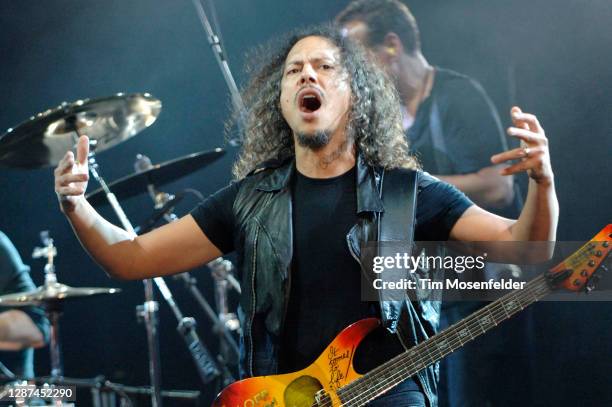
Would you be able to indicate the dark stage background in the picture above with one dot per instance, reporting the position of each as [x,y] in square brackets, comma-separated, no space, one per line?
[551,57]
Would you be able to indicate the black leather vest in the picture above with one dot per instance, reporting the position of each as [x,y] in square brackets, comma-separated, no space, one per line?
[264,242]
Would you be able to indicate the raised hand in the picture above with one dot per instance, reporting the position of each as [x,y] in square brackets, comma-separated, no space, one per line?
[533,154]
[71,176]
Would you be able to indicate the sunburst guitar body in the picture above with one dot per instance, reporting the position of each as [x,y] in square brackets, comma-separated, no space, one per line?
[332,370]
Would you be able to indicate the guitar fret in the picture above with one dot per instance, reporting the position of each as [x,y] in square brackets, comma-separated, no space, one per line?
[487,320]
[464,333]
[512,307]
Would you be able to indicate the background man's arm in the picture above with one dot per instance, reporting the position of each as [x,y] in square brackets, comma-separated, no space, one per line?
[473,132]
[18,331]
[486,187]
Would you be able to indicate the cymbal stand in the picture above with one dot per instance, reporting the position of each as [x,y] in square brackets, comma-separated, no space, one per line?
[191,284]
[148,310]
[222,274]
[53,309]
[205,364]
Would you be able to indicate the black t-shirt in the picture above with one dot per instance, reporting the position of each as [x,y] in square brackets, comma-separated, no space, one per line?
[325,279]
[325,284]
[469,130]
[15,278]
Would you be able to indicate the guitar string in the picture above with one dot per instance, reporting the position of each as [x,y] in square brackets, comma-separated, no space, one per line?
[429,349]
[534,288]
[356,385]
[421,362]
[399,361]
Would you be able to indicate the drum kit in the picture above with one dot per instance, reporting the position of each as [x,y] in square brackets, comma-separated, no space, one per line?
[42,141]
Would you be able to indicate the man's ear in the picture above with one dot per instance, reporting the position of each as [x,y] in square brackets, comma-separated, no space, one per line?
[392,46]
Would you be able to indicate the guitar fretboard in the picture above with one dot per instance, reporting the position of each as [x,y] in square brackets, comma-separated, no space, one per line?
[407,364]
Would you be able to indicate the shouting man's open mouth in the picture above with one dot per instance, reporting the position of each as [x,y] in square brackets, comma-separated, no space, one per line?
[309,101]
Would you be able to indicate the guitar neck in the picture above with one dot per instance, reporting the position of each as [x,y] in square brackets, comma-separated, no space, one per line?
[407,364]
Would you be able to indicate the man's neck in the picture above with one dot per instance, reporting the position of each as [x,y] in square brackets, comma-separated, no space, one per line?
[334,159]
[415,82]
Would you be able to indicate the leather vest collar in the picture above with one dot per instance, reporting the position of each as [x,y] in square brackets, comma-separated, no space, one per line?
[368,178]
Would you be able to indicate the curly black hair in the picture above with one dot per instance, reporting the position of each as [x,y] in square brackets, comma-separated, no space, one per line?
[375,117]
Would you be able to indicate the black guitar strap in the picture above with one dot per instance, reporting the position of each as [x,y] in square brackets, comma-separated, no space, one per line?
[396,226]
[399,190]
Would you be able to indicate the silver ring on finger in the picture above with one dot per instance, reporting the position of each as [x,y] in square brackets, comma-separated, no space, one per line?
[526,152]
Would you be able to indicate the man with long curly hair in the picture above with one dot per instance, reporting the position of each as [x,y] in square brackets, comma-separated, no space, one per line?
[323,128]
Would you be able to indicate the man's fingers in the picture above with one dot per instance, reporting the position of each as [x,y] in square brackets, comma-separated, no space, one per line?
[519,167]
[508,155]
[65,164]
[83,150]
[517,153]
[66,179]
[525,135]
[516,168]
[526,121]
[71,190]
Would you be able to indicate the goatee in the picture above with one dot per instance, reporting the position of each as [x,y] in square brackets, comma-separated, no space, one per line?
[314,141]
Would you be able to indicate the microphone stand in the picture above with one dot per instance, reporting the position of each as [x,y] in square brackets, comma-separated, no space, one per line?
[215,44]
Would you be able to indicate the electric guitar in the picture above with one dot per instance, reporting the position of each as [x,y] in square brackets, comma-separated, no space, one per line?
[331,380]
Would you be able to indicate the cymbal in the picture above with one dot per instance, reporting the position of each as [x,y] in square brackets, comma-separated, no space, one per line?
[43,139]
[158,174]
[51,293]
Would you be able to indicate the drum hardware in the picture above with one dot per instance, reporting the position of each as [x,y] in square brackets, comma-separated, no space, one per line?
[105,393]
[147,178]
[164,203]
[224,322]
[5,373]
[51,296]
[220,327]
[221,270]
[207,368]
[146,391]
[43,139]
[164,211]
[155,176]
[149,307]
[205,364]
